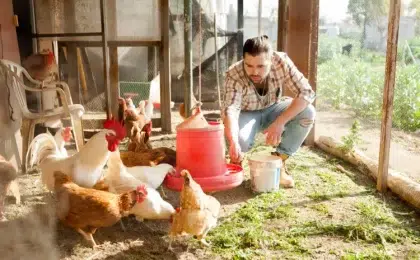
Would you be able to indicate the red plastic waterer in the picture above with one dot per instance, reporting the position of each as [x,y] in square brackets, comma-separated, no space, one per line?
[201,151]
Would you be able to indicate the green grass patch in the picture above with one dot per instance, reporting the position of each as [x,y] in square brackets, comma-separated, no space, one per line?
[287,223]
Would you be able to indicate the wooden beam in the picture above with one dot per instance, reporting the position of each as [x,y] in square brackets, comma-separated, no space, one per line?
[165,70]
[299,36]
[240,29]
[114,75]
[90,76]
[73,73]
[282,26]
[188,76]
[119,42]
[313,60]
[105,56]
[388,98]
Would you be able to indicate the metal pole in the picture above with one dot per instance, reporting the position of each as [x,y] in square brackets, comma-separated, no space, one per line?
[216,51]
[240,28]
[104,30]
[188,57]
[259,16]
[33,26]
[388,99]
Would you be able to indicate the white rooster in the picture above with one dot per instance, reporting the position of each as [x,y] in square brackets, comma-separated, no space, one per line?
[120,180]
[84,167]
[61,137]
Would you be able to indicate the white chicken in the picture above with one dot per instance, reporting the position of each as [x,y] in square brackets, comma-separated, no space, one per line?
[131,106]
[61,137]
[119,180]
[148,110]
[84,167]
[153,176]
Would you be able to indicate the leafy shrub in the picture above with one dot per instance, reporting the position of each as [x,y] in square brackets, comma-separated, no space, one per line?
[346,82]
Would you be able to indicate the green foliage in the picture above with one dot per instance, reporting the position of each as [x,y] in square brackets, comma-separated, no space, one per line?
[357,84]
[353,138]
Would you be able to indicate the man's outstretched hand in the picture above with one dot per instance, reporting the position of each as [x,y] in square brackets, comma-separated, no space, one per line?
[235,153]
[273,133]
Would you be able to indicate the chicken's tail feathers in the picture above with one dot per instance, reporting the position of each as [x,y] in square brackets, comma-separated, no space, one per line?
[41,146]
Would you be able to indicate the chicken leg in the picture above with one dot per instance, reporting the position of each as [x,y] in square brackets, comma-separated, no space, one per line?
[88,236]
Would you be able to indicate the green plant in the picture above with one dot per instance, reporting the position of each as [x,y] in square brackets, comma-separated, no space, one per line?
[352,139]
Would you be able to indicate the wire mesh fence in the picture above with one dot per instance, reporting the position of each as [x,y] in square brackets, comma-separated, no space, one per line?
[351,73]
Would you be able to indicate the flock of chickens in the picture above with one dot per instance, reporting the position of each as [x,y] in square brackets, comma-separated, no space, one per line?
[97,186]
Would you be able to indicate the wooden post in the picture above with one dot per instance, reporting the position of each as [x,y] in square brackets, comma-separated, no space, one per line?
[388,98]
[165,70]
[302,42]
[114,76]
[298,36]
[105,56]
[188,75]
[282,26]
[240,28]
[313,60]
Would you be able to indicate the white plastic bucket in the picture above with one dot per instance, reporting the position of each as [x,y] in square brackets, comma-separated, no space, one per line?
[265,172]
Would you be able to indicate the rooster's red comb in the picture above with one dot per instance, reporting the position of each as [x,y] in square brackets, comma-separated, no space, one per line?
[112,124]
[147,128]
[67,130]
[142,189]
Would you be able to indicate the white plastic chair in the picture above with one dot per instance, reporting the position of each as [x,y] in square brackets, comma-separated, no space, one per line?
[30,119]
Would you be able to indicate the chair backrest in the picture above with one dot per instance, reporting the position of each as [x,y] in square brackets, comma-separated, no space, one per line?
[14,80]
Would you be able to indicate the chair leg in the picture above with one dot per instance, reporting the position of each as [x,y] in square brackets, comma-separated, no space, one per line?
[78,132]
[25,132]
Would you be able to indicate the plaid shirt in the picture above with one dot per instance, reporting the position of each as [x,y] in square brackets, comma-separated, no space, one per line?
[241,94]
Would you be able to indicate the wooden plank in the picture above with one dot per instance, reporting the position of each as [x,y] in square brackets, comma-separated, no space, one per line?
[113,57]
[299,36]
[313,60]
[240,29]
[282,26]
[82,76]
[114,43]
[105,56]
[114,79]
[388,98]
[89,73]
[73,73]
[165,70]
[188,75]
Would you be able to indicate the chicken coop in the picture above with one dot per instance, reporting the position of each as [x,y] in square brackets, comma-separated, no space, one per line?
[357,184]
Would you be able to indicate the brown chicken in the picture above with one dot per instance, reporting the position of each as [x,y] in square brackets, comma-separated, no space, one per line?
[86,210]
[141,153]
[196,120]
[41,66]
[130,118]
[182,111]
[197,214]
[8,175]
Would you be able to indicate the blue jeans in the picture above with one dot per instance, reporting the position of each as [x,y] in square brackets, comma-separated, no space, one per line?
[295,131]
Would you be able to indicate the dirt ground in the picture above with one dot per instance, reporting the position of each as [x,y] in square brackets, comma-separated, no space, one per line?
[405,147]
[32,231]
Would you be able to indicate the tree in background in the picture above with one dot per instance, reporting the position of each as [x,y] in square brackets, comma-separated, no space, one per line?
[415,8]
[368,12]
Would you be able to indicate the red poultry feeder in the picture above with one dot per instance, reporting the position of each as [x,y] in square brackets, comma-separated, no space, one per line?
[201,151]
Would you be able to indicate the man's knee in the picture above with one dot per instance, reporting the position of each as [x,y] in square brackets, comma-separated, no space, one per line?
[307,116]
